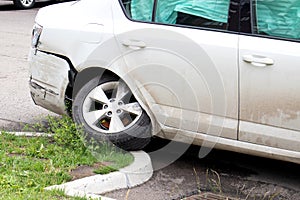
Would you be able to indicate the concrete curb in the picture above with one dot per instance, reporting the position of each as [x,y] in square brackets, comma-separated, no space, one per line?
[28,134]
[135,174]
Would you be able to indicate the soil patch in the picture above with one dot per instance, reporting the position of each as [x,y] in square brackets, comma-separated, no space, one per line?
[86,170]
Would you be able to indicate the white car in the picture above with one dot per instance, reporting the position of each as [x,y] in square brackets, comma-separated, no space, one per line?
[222,74]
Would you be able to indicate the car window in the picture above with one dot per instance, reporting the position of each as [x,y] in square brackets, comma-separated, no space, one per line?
[199,13]
[279,18]
[140,10]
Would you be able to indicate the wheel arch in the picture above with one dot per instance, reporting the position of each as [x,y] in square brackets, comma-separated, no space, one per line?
[79,79]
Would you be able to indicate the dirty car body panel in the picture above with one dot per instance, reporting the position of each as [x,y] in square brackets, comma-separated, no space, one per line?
[220,78]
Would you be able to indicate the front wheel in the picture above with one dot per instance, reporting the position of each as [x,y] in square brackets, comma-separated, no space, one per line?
[24,4]
[108,110]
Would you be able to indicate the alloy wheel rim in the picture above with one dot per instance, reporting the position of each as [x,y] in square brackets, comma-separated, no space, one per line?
[111,108]
[26,3]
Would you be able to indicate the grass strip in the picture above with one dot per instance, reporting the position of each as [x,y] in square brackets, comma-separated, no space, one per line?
[29,164]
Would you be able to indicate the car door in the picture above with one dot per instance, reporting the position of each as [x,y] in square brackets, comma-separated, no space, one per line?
[269,62]
[185,65]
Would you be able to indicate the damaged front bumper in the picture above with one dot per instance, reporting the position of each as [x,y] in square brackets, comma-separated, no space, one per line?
[48,80]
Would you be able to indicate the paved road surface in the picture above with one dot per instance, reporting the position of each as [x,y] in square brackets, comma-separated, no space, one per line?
[230,174]
[15,36]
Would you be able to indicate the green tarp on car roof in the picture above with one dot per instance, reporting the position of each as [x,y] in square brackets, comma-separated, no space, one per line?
[274,17]
[279,18]
[216,10]
[142,10]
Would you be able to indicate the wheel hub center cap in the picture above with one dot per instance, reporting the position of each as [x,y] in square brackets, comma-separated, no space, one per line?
[114,107]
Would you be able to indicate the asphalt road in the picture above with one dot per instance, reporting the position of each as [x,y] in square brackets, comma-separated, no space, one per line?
[15,34]
[221,172]
[231,175]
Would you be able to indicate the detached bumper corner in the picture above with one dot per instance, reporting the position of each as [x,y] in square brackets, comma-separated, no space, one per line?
[48,81]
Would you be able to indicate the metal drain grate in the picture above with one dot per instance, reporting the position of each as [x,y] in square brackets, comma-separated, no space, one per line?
[209,196]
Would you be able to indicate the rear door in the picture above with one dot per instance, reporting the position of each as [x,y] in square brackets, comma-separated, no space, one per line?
[269,59]
[184,55]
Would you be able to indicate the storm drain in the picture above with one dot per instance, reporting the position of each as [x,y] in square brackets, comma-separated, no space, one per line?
[209,196]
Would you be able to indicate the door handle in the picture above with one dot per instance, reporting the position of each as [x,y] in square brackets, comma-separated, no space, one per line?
[257,60]
[134,43]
